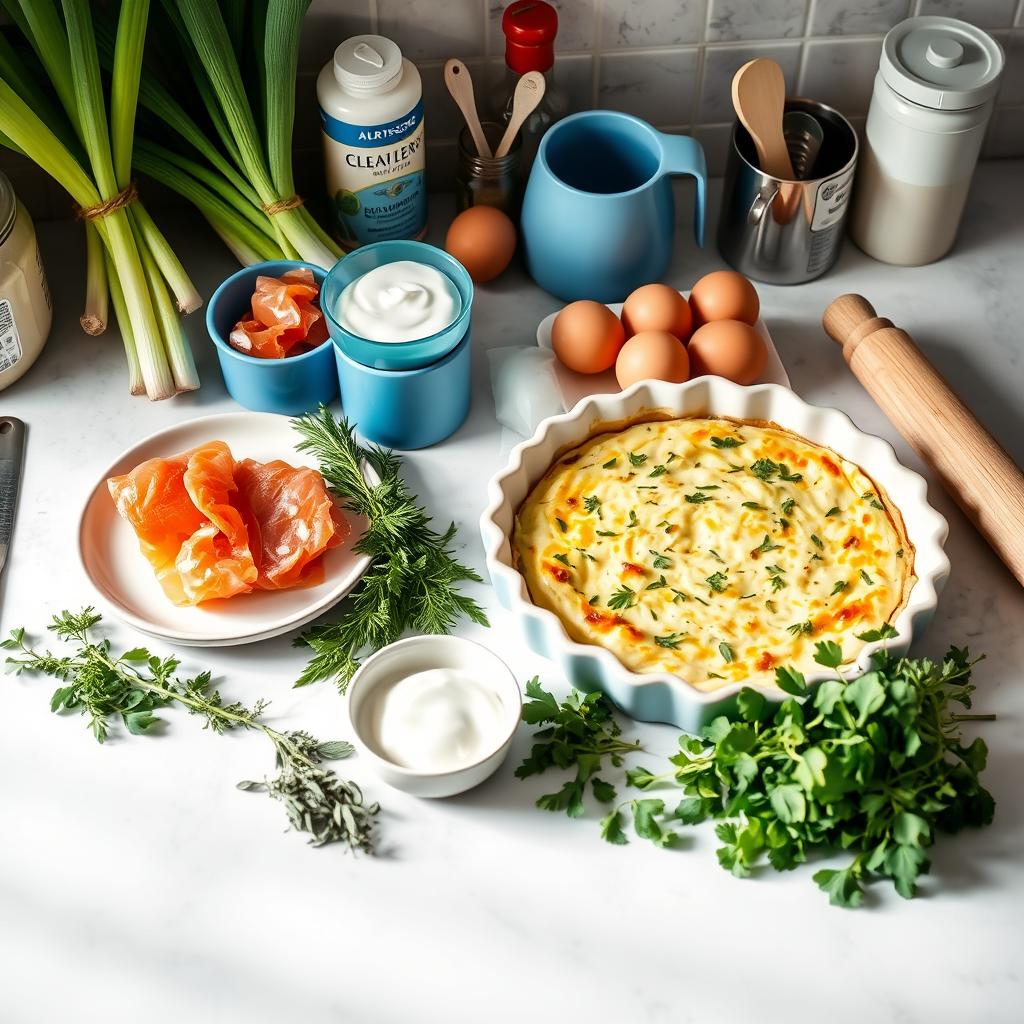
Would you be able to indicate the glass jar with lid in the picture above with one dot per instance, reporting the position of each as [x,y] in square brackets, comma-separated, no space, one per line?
[25,309]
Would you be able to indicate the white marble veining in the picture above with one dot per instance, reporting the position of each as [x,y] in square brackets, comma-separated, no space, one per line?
[642,23]
[136,883]
[720,64]
[760,19]
[841,18]
[984,13]
[660,87]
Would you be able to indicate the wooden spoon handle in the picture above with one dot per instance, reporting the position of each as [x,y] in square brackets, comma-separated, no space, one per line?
[460,85]
[973,467]
[529,92]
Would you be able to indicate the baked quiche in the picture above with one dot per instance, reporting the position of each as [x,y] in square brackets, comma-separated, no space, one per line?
[712,549]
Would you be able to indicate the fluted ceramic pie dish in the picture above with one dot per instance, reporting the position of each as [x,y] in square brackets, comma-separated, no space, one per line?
[668,697]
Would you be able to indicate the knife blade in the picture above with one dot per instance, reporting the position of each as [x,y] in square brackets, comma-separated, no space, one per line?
[12,450]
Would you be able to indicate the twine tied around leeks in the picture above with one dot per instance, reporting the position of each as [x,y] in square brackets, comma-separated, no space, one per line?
[282,205]
[105,207]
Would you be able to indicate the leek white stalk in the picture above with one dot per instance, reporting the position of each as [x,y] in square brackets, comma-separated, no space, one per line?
[94,316]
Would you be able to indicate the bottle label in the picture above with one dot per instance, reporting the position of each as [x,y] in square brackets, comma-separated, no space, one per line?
[375,177]
[10,341]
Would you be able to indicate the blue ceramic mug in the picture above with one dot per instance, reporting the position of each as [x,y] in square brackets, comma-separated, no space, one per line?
[598,216]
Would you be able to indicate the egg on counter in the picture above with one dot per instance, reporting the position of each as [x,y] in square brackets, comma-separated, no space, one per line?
[587,336]
[652,355]
[724,295]
[728,348]
[656,307]
[483,240]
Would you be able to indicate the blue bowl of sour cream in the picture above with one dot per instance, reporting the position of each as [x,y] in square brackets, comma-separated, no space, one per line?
[398,305]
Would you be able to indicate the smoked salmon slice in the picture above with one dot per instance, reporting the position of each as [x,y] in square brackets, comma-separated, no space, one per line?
[212,527]
[292,520]
[181,511]
[284,319]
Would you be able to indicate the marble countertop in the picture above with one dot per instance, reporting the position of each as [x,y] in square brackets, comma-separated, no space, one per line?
[137,883]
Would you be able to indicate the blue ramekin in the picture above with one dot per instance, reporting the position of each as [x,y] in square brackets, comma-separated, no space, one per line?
[407,409]
[290,386]
[403,355]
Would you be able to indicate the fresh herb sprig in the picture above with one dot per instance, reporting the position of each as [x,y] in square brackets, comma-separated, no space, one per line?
[132,687]
[580,732]
[413,579]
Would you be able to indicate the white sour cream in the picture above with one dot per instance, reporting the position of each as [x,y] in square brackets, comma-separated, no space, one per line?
[439,720]
[402,301]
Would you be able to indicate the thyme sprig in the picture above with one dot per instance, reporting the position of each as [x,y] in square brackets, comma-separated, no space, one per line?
[413,578]
[132,687]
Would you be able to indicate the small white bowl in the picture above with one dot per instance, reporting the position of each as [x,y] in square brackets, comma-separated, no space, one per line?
[418,654]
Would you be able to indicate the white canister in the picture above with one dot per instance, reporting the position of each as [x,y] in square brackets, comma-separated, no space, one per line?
[25,309]
[934,91]
[371,110]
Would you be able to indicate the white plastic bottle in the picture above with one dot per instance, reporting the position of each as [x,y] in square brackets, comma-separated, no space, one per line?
[371,109]
[933,95]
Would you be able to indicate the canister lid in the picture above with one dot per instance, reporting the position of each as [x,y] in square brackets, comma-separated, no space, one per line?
[367,63]
[8,207]
[941,63]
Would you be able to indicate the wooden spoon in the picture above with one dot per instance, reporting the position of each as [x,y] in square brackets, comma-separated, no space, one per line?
[976,471]
[529,92]
[759,98]
[460,85]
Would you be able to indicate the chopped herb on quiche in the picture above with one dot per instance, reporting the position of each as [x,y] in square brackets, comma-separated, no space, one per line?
[787,506]
[670,641]
[766,545]
[621,599]
[659,470]
[660,561]
[659,584]
[718,582]
[755,506]
[564,559]
[697,498]
[726,652]
[801,628]
[593,504]
[833,511]
[561,524]
[866,578]
[637,458]
[726,442]
[817,542]
[840,586]
[610,464]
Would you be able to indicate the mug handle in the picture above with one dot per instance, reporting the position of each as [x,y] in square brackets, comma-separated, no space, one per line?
[685,155]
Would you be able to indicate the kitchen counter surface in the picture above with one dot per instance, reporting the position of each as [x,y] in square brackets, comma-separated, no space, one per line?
[136,882]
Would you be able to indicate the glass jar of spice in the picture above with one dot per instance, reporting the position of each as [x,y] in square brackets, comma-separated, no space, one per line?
[489,181]
[25,309]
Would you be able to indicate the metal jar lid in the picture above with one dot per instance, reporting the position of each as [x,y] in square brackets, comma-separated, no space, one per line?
[8,208]
[367,63]
[941,63]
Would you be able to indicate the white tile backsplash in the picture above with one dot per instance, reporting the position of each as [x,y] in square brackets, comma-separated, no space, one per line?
[720,64]
[983,13]
[841,73]
[868,17]
[433,29]
[729,20]
[660,87]
[668,61]
[643,23]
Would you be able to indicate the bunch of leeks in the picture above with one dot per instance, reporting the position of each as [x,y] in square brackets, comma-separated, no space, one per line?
[54,109]
[237,170]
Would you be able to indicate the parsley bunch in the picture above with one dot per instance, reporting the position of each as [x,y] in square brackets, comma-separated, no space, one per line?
[580,732]
[413,579]
[876,767]
[132,687]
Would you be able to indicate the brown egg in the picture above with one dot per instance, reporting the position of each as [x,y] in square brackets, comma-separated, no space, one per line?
[724,295]
[656,307]
[483,240]
[652,355]
[728,348]
[587,336]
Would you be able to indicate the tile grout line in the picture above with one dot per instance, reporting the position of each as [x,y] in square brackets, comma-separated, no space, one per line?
[595,69]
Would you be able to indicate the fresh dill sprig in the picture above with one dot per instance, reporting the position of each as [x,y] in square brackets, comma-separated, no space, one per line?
[413,578]
[133,686]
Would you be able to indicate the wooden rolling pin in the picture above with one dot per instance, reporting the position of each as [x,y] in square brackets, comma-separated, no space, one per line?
[974,468]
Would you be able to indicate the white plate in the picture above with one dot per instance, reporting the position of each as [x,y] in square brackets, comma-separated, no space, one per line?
[109,550]
[575,386]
